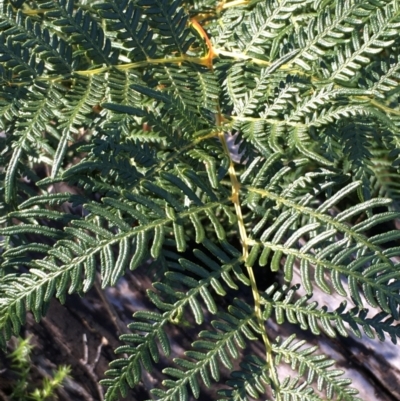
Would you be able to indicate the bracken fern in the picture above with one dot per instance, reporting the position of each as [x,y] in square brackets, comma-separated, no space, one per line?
[134,102]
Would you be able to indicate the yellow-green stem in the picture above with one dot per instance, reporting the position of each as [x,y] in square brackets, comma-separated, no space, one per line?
[245,250]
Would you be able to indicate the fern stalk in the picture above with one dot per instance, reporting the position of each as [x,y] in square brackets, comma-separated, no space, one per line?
[245,253]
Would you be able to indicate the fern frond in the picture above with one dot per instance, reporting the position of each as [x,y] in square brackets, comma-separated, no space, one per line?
[381,84]
[250,381]
[284,305]
[375,38]
[56,52]
[173,302]
[84,94]
[264,24]
[328,29]
[85,31]
[211,348]
[38,105]
[61,271]
[125,21]
[169,20]
[264,133]
[371,267]
[292,391]
[315,366]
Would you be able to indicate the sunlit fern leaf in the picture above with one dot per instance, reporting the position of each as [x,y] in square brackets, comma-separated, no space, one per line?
[376,36]
[83,96]
[170,22]
[84,30]
[284,304]
[292,390]
[355,256]
[263,25]
[132,32]
[38,104]
[315,367]
[69,260]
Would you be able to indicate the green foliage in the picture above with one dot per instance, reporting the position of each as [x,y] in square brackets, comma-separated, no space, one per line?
[133,103]
[22,388]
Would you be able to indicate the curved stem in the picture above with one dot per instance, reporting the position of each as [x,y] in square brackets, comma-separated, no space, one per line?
[242,229]
[245,249]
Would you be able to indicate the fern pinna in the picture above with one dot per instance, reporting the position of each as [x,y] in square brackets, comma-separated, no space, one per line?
[134,102]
